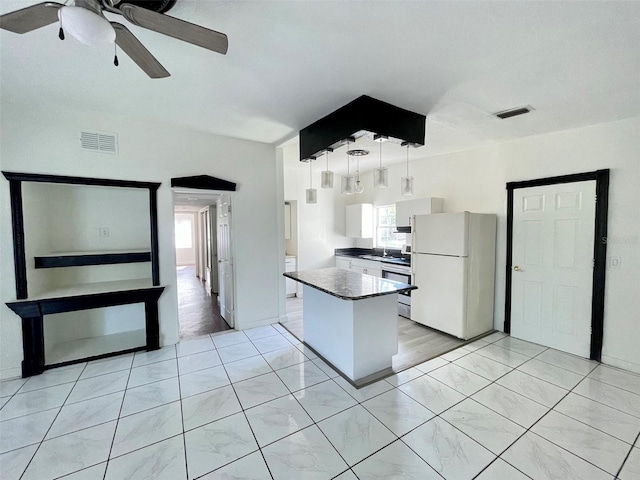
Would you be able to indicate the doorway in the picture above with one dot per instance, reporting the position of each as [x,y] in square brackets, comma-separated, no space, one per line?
[556,259]
[197,272]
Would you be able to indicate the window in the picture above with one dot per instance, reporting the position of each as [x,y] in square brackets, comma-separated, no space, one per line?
[385,217]
[184,229]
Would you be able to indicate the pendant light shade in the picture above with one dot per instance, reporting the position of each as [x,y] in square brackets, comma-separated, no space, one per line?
[312,196]
[312,193]
[381,177]
[380,174]
[348,181]
[348,184]
[406,186]
[406,183]
[326,180]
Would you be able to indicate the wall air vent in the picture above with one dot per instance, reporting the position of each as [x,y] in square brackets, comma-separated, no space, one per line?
[101,142]
[513,112]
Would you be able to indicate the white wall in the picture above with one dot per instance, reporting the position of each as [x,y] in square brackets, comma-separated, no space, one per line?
[321,226]
[47,141]
[475,180]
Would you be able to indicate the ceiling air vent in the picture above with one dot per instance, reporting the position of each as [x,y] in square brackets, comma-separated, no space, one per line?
[101,142]
[513,112]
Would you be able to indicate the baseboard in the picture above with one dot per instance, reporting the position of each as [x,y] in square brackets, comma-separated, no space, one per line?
[624,364]
[257,323]
[166,341]
[10,373]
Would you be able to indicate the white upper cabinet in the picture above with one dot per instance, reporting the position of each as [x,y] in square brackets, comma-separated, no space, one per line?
[359,220]
[406,209]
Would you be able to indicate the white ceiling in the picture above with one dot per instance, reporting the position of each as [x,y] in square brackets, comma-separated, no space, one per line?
[189,199]
[290,63]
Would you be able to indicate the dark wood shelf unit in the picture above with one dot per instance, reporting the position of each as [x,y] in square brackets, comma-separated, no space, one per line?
[32,312]
[84,259]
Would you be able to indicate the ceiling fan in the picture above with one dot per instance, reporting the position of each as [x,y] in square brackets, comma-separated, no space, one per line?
[85,21]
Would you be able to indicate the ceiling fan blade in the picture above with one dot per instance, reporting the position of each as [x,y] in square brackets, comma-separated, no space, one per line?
[185,31]
[137,52]
[30,18]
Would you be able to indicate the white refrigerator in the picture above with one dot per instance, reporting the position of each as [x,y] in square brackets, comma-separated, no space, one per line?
[453,265]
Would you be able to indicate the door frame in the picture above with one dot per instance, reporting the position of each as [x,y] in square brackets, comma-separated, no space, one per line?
[601,178]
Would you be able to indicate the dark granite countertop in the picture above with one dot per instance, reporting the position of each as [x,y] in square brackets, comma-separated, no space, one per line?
[374,254]
[348,285]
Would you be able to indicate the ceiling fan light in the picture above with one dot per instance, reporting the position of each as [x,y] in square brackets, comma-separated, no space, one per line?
[86,26]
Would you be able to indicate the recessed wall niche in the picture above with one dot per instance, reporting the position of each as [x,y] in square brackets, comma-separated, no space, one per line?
[63,220]
[86,262]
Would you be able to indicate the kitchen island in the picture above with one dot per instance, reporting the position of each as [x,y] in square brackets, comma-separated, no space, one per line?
[351,319]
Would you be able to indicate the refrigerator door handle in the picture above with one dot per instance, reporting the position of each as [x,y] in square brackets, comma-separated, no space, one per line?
[413,243]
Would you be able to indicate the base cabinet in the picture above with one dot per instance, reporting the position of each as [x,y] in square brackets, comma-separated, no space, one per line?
[367,267]
[291,285]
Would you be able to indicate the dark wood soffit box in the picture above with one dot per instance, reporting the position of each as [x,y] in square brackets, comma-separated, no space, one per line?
[203,182]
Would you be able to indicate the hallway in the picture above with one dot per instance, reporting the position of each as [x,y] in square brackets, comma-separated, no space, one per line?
[198,310]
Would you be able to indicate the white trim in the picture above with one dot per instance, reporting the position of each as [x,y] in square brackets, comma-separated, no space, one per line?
[616,362]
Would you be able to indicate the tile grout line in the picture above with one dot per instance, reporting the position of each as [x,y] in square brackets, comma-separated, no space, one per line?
[520,436]
[357,402]
[556,411]
[626,458]
[250,428]
[48,429]
[183,434]
[553,443]
[115,430]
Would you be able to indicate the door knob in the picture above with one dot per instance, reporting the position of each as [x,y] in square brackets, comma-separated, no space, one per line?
[517,268]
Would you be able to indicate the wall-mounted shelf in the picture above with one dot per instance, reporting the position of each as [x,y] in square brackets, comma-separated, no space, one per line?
[79,259]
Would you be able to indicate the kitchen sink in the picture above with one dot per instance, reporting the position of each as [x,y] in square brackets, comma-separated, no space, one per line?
[373,257]
[388,259]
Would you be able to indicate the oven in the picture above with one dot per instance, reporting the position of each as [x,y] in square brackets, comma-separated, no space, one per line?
[400,273]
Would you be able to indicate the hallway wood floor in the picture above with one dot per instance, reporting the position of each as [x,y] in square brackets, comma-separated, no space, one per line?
[198,310]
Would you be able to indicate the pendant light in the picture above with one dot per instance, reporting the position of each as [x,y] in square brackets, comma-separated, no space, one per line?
[326,181]
[312,193]
[359,188]
[380,174]
[406,183]
[348,180]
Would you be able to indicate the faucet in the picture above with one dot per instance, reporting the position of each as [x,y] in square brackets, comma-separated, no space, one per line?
[384,251]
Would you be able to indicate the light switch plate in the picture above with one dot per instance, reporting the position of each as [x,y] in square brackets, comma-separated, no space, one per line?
[615,262]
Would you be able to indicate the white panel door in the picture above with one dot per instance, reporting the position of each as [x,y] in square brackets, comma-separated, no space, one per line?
[225,261]
[553,235]
[441,234]
[440,300]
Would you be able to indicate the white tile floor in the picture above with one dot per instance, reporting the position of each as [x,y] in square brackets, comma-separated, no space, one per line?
[258,405]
